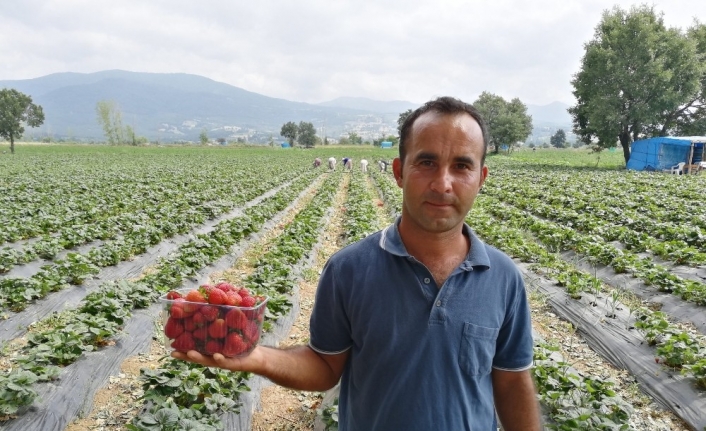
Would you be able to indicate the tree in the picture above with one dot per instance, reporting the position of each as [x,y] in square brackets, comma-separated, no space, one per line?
[637,79]
[507,122]
[203,137]
[354,139]
[400,121]
[16,111]
[110,119]
[558,139]
[289,131]
[307,134]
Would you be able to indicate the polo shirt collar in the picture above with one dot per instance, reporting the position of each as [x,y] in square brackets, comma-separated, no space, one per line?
[391,242]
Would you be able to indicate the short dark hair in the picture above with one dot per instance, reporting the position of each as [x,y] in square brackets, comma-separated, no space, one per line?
[442,105]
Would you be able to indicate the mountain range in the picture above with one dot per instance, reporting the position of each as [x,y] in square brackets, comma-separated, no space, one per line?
[170,107]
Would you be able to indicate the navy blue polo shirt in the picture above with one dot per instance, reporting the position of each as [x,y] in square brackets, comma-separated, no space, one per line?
[420,356]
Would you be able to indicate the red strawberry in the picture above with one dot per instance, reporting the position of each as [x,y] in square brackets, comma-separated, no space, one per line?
[232,298]
[225,286]
[172,294]
[216,297]
[195,296]
[210,312]
[184,342]
[218,329]
[173,328]
[251,331]
[177,310]
[248,301]
[213,346]
[243,292]
[199,319]
[200,333]
[189,324]
[236,319]
[234,345]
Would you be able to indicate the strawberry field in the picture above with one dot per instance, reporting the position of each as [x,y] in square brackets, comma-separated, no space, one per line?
[90,237]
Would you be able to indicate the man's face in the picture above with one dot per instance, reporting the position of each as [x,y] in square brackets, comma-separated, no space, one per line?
[442,172]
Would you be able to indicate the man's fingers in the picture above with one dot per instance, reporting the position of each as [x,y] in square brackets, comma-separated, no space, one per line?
[217,360]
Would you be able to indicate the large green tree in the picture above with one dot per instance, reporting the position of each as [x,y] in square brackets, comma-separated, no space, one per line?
[558,139]
[638,78]
[508,122]
[307,134]
[289,130]
[16,111]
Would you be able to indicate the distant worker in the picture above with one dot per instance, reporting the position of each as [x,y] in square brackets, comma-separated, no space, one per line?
[332,163]
[364,165]
[344,162]
[317,162]
[349,163]
[383,166]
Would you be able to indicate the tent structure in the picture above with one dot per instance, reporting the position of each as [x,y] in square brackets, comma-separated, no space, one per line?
[664,152]
[385,144]
[285,145]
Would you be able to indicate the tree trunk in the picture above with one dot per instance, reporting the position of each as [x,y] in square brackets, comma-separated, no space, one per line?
[12,144]
[625,143]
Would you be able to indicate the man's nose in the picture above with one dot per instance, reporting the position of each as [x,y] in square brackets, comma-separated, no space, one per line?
[442,181]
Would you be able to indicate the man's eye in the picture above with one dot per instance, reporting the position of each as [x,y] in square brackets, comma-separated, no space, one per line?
[462,166]
[426,163]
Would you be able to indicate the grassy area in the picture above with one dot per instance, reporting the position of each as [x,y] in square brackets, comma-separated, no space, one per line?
[581,157]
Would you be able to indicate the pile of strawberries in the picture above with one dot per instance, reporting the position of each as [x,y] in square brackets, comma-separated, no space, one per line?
[220,318]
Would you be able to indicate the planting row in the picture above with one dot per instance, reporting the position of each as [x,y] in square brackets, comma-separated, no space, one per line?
[17,292]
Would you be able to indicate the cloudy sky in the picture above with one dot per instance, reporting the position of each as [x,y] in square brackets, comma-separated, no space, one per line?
[317,50]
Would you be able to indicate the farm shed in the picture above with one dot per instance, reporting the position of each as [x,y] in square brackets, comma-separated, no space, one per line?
[385,144]
[664,152]
[285,145]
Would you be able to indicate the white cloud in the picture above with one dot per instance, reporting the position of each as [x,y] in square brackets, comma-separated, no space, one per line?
[316,50]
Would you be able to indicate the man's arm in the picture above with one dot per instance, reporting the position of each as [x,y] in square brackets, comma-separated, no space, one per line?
[299,367]
[516,400]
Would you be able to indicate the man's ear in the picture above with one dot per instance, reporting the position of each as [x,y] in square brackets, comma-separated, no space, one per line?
[483,176]
[397,170]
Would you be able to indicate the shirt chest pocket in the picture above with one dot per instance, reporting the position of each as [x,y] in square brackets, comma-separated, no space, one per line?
[477,349]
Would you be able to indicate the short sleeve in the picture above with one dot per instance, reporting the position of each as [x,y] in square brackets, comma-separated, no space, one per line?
[514,348]
[329,326]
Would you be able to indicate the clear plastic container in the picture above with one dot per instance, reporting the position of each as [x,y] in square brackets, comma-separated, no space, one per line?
[209,328]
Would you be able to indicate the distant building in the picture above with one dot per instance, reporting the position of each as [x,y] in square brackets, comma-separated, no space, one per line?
[385,144]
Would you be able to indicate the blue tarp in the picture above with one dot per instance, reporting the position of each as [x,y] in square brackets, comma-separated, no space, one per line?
[385,144]
[660,153]
[286,145]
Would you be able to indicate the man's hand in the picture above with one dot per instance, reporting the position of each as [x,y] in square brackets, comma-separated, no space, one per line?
[248,363]
[297,367]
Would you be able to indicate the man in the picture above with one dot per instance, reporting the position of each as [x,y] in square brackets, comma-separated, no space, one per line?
[426,327]
[317,162]
[332,163]
[364,165]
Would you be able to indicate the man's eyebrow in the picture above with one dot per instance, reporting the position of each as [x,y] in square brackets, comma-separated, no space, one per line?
[465,159]
[426,156]
[432,156]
